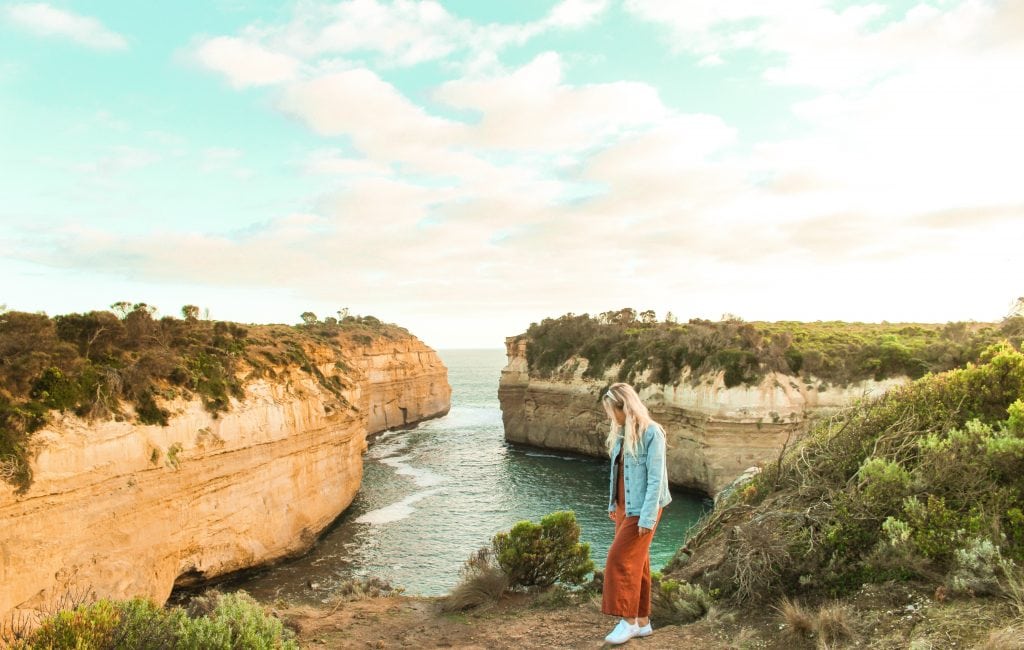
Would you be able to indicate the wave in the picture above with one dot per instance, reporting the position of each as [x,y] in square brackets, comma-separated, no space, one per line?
[421,477]
[396,511]
[538,454]
[465,417]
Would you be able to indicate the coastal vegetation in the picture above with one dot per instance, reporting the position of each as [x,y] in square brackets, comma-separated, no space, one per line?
[211,622]
[128,364]
[924,485]
[824,352]
[529,556]
[896,521]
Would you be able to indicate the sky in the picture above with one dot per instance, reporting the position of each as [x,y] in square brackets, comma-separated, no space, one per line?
[465,168]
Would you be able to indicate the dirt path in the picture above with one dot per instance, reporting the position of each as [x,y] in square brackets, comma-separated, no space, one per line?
[879,617]
[403,622]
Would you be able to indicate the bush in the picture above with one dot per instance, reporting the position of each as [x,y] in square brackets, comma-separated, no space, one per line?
[143,625]
[360,588]
[675,602]
[534,555]
[236,621]
[227,622]
[87,627]
[976,568]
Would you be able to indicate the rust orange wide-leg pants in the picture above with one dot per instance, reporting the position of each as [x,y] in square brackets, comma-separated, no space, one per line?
[627,573]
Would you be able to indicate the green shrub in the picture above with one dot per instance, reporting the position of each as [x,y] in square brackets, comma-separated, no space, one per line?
[86,627]
[172,455]
[541,555]
[675,602]
[1015,422]
[148,411]
[229,622]
[236,621]
[17,423]
[976,569]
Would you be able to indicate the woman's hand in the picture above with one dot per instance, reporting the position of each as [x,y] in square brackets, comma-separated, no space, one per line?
[611,515]
[643,531]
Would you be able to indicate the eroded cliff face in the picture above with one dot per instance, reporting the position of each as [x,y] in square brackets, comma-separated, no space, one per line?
[713,432]
[129,510]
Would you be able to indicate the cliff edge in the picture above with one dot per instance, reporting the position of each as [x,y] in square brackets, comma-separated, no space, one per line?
[125,508]
[714,431]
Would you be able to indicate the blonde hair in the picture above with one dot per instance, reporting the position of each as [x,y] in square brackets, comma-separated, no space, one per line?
[623,397]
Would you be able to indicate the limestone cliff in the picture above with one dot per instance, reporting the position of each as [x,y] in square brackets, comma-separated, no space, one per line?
[127,509]
[714,432]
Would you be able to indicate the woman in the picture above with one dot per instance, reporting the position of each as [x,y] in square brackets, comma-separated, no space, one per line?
[638,491]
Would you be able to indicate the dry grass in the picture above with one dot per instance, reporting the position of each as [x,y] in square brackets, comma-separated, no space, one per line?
[757,549]
[1007,638]
[717,615]
[8,469]
[744,640]
[483,583]
[833,625]
[360,588]
[676,602]
[955,623]
[799,622]
[477,590]
[1013,585]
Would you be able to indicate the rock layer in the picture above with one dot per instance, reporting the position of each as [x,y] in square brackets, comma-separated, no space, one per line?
[125,509]
[714,432]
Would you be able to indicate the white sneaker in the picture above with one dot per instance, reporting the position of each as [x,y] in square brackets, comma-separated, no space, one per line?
[645,630]
[623,632]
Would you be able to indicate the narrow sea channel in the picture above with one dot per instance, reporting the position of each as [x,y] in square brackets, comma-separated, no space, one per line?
[434,494]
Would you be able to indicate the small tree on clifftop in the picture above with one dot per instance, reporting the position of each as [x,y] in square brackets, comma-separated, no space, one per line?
[533,555]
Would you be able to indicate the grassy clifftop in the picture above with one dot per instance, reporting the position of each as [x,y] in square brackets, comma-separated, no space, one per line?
[99,363]
[833,352]
[925,483]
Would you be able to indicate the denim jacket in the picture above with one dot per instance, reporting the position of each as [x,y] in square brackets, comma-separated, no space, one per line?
[645,477]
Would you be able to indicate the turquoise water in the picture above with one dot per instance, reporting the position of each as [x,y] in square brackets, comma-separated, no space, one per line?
[434,494]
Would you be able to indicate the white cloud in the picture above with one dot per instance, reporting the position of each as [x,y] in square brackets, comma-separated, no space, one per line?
[245,63]
[46,20]
[403,32]
[384,126]
[576,13]
[532,108]
[333,162]
[377,34]
[357,102]
[822,45]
